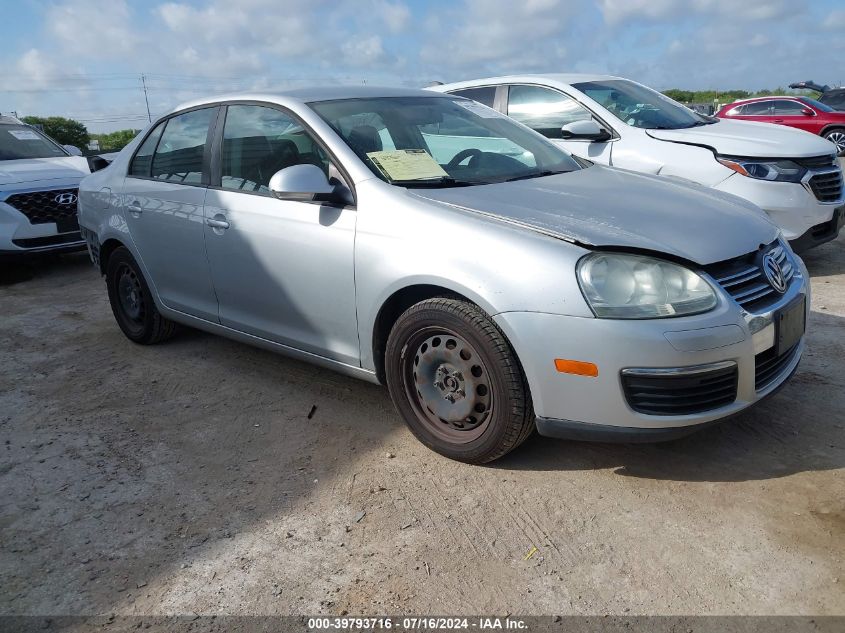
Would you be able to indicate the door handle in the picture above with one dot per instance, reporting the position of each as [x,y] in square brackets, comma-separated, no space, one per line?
[217,224]
[135,208]
[778,120]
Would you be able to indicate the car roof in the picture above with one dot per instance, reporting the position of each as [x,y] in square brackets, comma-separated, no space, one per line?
[538,78]
[310,95]
[770,97]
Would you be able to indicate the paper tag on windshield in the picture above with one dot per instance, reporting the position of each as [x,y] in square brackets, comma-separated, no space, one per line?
[407,164]
[25,135]
[478,108]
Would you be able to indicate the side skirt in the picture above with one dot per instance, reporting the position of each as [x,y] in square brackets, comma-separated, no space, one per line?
[257,341]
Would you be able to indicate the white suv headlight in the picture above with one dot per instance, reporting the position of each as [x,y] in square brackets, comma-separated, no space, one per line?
[622,286]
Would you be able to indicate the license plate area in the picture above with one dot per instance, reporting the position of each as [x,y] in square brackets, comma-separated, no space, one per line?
[67,225]
[790,324]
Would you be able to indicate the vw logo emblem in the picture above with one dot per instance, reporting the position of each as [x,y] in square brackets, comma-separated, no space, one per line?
[773,273]
[65,198]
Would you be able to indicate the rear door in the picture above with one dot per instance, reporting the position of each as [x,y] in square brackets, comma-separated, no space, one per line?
[762,111]
[163,196]
[547,110]
[283,270]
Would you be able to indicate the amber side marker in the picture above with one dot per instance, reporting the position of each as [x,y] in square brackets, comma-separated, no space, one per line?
[577,367]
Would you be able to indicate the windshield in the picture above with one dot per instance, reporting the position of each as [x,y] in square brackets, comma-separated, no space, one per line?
[22,141]
[441,141]
[641,107]
[818,105]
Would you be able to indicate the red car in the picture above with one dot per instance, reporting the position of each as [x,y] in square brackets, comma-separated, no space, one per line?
[801,112]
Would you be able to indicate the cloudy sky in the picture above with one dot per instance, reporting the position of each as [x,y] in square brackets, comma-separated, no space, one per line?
[84,58]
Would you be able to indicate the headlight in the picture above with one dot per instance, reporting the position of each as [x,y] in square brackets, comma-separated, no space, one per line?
[774,170]
[621,286]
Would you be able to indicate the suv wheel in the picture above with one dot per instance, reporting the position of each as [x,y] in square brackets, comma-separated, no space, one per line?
[132,303]
[837,137]
[456,381]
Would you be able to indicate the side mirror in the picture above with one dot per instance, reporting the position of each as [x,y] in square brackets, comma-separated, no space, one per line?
[807,112]
[587,130]
[300,182]
[73,150]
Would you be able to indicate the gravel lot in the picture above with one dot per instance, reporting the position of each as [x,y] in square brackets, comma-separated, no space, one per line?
[187,478]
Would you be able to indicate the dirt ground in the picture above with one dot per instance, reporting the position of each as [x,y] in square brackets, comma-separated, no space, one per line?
[187,478]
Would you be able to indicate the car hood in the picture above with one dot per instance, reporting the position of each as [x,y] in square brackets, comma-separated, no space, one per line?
[607,207]
[35,169]
[749,138]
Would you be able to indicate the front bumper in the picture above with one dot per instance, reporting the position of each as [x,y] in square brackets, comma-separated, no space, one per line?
[821,233]
[20,236]
[790,205]
[584,407]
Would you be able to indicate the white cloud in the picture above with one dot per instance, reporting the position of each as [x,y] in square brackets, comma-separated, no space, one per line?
[618,12]
[88,28]
[835,21]
[395,15]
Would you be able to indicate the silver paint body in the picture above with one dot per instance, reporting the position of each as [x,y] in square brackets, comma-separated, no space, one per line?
[309,280]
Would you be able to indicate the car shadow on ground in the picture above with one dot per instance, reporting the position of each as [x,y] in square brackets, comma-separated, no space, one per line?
[17,269]
[827,259]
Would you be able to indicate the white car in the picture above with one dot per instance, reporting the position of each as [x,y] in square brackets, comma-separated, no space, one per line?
[39,182]
[792,175]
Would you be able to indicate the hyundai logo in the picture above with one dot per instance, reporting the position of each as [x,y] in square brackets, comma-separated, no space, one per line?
[773,273]
[65,198]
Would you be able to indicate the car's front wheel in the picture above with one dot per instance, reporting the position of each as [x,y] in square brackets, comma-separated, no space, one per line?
[457,382]
[837,137]
[132,303]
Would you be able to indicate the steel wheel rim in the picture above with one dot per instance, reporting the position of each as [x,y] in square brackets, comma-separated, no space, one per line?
[448,385]
[130,295]
[838,139]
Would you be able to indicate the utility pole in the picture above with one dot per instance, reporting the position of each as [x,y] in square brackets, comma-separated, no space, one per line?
[146,99]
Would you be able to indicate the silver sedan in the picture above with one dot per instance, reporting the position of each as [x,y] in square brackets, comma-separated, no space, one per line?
[492,281]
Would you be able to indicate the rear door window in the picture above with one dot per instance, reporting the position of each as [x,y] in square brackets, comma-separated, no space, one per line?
[179,156]
[758,108]
[485,95]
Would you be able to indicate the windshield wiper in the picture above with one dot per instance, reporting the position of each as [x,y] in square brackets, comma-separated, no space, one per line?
[536,174]
[442,181]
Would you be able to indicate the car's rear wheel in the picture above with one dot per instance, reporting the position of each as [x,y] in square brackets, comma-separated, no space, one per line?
[457,382]
[837,137]
[132,303]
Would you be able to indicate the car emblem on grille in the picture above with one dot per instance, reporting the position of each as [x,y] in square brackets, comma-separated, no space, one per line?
[65,198]
[774,273]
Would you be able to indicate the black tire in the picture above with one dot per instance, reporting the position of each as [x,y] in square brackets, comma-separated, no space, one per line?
[837,136]
[132,303]
[451,348]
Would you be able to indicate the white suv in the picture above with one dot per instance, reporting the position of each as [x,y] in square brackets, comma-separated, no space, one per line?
[791,174]
[39,182]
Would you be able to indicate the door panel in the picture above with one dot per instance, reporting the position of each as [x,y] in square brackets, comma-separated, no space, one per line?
[283,270]
[165,217]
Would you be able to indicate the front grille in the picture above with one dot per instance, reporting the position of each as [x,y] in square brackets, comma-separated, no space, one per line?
[816,162]
[744,280]
[41,207]
[768,366]
[827,187]
[681,394]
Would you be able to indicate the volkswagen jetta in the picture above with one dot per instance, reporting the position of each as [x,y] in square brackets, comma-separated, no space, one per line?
[492,281]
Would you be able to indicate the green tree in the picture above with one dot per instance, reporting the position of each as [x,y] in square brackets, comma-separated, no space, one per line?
[114,141]
[62,130]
